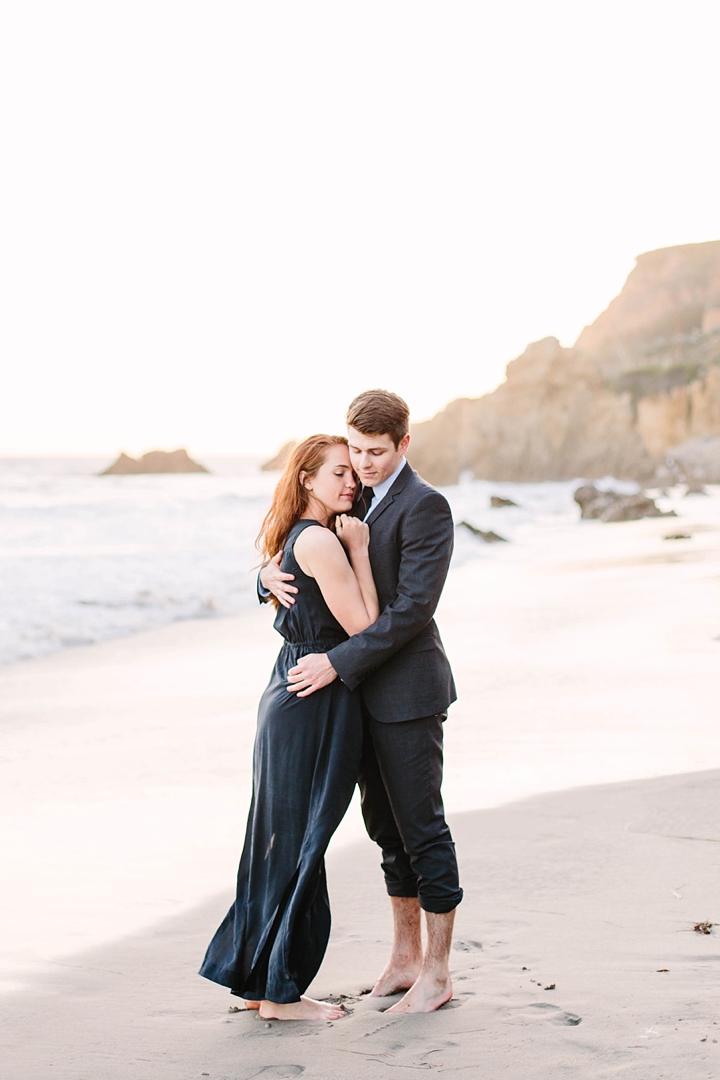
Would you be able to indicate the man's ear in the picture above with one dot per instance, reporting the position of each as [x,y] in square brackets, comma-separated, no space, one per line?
[404,443]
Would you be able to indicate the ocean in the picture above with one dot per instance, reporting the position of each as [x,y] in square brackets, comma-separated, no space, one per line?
[85,558]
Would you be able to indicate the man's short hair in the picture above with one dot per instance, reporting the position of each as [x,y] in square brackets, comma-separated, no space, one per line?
[379,412]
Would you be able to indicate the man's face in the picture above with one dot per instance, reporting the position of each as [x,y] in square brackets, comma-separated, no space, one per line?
[375,457]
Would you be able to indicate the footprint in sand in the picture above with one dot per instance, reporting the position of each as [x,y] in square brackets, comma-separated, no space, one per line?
[279,1072]
[556,1015]
[467,946]
[569,1019]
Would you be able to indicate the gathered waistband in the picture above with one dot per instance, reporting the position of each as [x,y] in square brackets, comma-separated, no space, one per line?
[319,644]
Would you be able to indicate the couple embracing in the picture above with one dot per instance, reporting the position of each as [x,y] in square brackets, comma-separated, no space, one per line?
[359,693]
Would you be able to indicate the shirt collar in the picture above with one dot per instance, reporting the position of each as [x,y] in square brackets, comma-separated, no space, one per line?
[381,490]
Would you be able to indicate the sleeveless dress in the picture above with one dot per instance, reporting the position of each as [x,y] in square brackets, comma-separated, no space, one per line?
[305,766]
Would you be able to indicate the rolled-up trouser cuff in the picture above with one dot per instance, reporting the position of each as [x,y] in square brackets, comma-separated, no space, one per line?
[402,888]
[440,907]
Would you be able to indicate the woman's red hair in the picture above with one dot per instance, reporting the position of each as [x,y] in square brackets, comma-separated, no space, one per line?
[291,498]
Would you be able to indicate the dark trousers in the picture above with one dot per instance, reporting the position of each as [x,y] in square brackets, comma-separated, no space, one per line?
[400,778]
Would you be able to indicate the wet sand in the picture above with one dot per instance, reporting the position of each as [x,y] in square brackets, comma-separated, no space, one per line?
[575,955]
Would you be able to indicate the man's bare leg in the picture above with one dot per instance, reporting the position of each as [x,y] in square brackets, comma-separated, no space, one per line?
[433,987]
[406,958]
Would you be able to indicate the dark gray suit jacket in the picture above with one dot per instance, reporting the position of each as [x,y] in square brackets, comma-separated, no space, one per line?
[399,662]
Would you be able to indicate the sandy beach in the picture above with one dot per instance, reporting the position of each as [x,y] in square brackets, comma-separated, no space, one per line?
[575,955]
[582,774]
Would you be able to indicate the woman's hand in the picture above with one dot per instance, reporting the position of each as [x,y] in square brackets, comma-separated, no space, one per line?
[353,534]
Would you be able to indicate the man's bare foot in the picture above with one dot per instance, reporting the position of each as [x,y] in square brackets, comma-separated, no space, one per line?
[427,994]
[406,957]
[304,1009]
[398,975]
[250,1005]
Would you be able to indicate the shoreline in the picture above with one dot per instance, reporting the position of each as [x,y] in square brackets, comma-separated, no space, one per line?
[125,770]
[82,566]
[587,663]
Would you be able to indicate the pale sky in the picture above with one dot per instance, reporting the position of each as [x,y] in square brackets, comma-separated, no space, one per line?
[221,220]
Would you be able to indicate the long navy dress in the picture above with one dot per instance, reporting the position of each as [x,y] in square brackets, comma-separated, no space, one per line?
[306,762]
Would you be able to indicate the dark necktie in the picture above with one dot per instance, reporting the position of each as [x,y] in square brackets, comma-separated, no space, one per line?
[367,498]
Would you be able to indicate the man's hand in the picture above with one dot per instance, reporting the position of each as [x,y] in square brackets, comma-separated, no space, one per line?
[311,674]
[273,579]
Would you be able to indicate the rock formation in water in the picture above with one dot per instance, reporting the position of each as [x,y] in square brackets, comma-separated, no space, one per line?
[278,463]
[155,461]
[615,506]
[488,535]
[643,378]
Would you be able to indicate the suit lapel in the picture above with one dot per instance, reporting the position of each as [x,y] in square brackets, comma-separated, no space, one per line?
[395,490]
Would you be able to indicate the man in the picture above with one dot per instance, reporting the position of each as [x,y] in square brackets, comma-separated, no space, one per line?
[406,684]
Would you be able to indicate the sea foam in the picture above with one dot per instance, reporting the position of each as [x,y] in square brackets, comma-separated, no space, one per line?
[85,558]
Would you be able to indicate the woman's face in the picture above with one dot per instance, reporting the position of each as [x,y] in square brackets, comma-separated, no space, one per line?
[334,485]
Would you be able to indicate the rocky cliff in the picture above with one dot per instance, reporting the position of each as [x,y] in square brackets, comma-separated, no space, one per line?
[642,379]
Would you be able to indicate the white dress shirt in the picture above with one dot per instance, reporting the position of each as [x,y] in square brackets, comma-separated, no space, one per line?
[381,490]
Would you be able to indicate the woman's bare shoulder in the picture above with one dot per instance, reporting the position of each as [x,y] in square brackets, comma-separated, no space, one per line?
[316,538]
[317,548]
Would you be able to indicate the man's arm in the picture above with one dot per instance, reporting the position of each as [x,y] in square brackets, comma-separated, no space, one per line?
[426,549]
[427,544]
[273,582]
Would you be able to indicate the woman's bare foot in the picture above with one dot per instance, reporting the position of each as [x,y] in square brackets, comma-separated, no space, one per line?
[250,1005]
[425,995]
[304,1009]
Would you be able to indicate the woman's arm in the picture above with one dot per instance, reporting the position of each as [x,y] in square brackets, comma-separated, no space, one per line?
[354,535]
[348,588]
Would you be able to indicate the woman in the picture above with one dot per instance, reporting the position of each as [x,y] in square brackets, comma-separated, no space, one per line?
[307,751]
